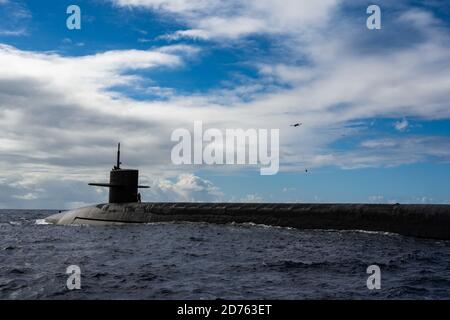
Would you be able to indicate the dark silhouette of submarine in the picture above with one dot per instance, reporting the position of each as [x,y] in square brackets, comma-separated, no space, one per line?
[124,207]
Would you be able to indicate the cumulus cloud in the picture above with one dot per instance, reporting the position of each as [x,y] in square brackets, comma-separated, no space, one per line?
[48,102]
[59,113]
[401,125]
[186,188]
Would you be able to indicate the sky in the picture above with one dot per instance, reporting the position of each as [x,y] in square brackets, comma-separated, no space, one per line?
[374,104]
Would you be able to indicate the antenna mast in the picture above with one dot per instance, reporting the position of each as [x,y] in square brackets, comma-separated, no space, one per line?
[118,158]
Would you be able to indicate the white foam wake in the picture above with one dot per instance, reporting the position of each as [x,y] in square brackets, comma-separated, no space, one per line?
[41,221]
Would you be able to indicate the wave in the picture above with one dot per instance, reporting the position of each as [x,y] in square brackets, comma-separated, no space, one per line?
[258,225]
[41,222]
[384,233]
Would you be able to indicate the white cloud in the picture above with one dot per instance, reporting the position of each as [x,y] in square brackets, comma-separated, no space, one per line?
[389,152]
[13,33]
[14,19]
[233,27]
[401,125]
[252,198]
[186,188]
[232,19]
[58,112]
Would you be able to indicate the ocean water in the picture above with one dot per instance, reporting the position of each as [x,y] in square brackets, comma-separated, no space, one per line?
[205,261]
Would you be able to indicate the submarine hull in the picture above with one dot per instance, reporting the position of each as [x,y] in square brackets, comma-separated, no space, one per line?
[424,221]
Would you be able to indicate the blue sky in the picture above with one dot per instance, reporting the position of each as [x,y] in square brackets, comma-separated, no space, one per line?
[374,103]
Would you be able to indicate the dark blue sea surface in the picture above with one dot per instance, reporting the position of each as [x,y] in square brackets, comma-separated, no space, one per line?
[205,261]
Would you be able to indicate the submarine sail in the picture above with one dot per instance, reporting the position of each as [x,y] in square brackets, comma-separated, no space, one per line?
[123,184]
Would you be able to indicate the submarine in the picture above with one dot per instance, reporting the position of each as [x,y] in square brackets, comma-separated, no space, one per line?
[125,207]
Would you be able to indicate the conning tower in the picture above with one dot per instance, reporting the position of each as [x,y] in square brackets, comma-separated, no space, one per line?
[123,184]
